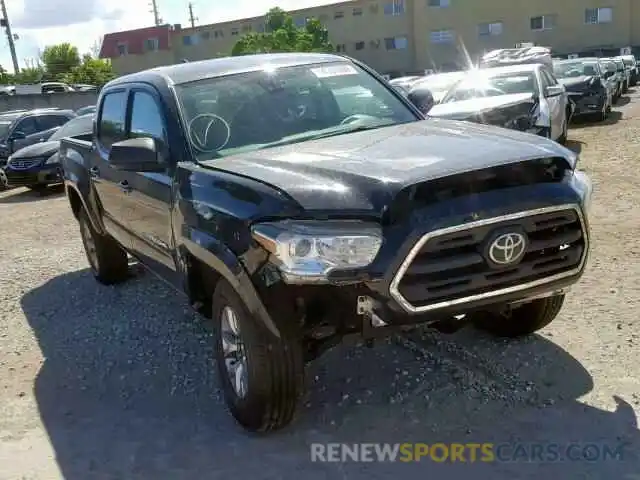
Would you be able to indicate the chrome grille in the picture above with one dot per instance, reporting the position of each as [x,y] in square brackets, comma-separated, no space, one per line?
[448,267]
[24,163]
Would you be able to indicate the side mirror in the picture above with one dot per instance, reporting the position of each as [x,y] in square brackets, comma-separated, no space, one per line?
[554,90]
[136,155]
[422,99]
[18,135]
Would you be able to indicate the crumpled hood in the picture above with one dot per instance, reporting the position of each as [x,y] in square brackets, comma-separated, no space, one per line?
[364,170]
[573,82]
[466,108]
[42,149]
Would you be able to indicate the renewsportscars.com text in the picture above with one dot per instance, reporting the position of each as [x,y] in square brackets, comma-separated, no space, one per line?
[465,452]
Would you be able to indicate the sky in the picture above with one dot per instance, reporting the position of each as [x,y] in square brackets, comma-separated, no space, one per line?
[39,23]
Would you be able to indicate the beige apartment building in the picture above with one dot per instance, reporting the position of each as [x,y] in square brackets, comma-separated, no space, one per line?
[406,36]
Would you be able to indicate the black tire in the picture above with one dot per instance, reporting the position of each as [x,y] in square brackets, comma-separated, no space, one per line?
[520,321]
[107,259]
[274,367]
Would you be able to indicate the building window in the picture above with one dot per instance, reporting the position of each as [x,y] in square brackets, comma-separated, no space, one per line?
[235,31]
[123,49]
[493,29]
[341,47]
[246,28]
[395,7]
[543,22]
[218,34]
[357,12]
[373,8]
[438,3]
[594,16]
[441,36]
[205,35]
[260,28]
[300,22]
[188,40]
[338,15]
[396,43]
[151,44]
[359,45]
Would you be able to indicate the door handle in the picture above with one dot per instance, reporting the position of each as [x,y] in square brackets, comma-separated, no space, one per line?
[124,186]
[94,172]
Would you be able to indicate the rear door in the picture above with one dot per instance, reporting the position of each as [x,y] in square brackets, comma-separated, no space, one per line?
[110,186]
[26,127]
[556,104]
[151,192]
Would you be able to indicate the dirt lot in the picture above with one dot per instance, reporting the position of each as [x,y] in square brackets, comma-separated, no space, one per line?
[104,383]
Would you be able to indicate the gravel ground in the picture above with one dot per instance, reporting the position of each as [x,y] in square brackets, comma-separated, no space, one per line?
[118,382]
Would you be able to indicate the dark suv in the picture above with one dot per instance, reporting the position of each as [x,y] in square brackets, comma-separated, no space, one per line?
[21,128]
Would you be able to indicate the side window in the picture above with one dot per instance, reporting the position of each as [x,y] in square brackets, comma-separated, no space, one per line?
[111,127]
[45,122]
[146,117]
[28,126]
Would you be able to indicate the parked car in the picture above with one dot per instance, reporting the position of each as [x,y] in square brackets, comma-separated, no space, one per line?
[55,87]
[85,110]
[404,82]
[38,166]
[23,128]
[524,97]
[585,82]
[438,84]
[293,224]
[623,72]
[615,77]
[83,87]
[630,62]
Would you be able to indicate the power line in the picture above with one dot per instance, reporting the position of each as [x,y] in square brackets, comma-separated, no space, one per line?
[4,21]
[156,13]
[192,19]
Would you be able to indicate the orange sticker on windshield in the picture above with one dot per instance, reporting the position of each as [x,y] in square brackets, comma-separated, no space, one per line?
[334,71]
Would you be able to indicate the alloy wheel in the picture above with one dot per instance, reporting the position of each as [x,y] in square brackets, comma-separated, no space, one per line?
[234,352]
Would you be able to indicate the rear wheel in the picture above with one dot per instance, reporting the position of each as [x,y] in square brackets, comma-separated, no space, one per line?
[107,259]
[520,321]
[262,376]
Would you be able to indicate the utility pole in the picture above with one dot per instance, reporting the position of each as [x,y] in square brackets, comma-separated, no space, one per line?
[4,21]
[192,19]
[156,13]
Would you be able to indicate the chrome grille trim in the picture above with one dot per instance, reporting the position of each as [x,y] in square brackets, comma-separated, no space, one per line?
[415,250]
[25,163]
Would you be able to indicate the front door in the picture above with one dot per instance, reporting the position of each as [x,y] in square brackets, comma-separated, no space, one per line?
[151,192]
[112,195]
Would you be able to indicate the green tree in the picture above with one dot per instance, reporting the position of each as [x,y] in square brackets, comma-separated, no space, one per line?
[93,71]
[282,35]
[59,60]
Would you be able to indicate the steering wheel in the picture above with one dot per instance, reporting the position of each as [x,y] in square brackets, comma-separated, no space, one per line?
[199,129]
[358,117]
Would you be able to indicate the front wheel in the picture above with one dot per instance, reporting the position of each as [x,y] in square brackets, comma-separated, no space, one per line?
[522,320]
[107,259]
[261,376]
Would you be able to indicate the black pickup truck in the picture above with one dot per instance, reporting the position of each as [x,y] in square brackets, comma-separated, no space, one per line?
[298,199]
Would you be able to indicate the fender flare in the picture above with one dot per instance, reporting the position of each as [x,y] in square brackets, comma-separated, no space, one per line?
[223,261]
[72,187]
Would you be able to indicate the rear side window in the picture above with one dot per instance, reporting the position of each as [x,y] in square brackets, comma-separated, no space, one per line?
[45,122]
[111,128]
[146,118]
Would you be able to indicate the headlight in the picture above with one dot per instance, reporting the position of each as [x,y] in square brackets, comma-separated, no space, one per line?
[308,251]
[53,159]
[582,184]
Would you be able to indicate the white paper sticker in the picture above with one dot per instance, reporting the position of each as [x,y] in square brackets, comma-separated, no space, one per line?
[334,71]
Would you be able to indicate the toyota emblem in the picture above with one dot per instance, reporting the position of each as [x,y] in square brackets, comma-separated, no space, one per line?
[507,248]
